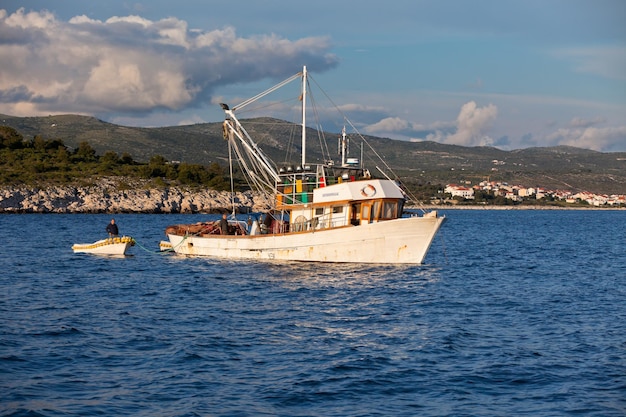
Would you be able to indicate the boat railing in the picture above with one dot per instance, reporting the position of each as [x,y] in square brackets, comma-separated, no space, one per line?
[296,184]
[296,188]
[317,223]
[331,223]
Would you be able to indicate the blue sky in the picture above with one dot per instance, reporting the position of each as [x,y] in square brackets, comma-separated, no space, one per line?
[511,74]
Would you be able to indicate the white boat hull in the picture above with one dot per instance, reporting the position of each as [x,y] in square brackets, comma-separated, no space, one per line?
[399,241]
[115,246]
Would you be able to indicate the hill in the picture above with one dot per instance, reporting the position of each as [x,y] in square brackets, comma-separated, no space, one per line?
[558,167]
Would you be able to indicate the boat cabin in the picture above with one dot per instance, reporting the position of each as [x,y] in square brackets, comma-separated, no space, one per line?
[333,196]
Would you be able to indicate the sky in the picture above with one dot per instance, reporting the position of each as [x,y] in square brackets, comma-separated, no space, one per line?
[511,74]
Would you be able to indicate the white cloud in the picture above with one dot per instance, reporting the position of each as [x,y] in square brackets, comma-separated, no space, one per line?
[398,128]
[472,125]
[469,129]
[599,139]
[389,124]
[132,64]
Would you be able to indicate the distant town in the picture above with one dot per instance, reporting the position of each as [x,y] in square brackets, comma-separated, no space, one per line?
[499,192]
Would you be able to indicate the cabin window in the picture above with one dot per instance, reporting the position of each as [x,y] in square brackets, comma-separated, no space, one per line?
[390,210]
[376,210]
[400,208]
[365,212]
[337,209]
[319,211]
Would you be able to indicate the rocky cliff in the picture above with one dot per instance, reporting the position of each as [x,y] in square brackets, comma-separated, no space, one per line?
[107,196]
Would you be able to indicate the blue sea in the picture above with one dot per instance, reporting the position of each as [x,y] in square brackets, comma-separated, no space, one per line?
[515,313]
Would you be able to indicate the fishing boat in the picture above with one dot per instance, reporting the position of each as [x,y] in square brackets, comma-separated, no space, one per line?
[319,212]
[109,246]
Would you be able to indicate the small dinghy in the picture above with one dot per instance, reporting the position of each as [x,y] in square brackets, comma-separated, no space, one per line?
[109,246]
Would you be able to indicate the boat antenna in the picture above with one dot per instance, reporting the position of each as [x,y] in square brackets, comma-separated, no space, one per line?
[343,146]
[304,81]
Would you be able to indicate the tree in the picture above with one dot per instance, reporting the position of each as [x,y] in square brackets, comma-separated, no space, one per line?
[62,156]
[157,167]
[108,161]
[109,158]
[10,138]
[482,196]
[218,179]
[191,174]
[39,143]
[85,153]
[126,159]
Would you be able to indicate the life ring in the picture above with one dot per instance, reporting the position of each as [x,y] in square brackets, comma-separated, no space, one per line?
[368,191]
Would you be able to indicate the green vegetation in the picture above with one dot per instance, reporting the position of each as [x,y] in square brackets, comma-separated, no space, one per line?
[49,161]
[91,149]
[554,168]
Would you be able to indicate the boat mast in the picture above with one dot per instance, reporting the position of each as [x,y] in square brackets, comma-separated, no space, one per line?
[343,146]
[304,81]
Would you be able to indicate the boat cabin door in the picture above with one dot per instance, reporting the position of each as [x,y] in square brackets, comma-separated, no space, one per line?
[369,212]
[355,214]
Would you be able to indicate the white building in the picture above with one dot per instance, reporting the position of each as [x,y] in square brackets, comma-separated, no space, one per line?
[526,192]
[460,191]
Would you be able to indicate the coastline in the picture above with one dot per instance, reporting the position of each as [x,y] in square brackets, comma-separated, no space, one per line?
[517,207]
[121,195]
[115,195]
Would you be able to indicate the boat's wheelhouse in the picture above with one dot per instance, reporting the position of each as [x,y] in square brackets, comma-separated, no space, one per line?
[296,184]
[328,196]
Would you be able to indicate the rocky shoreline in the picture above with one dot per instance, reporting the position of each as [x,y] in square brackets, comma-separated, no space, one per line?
[113,195]
[121,195]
